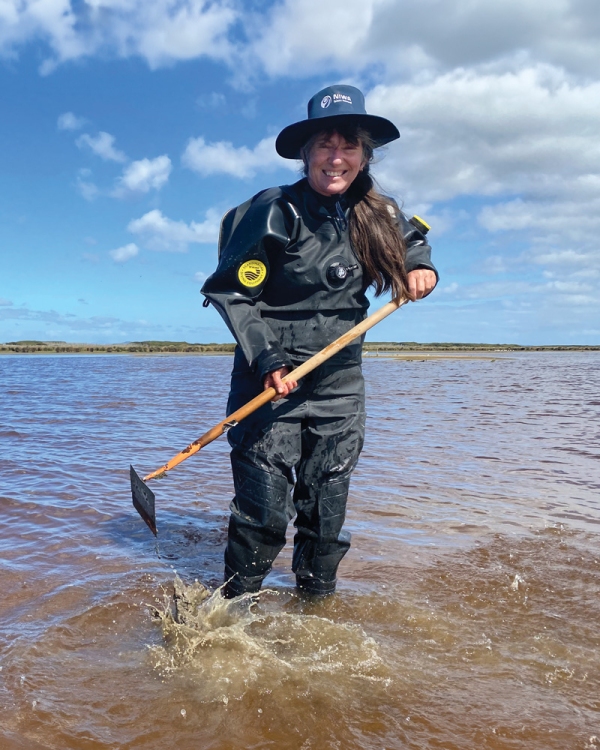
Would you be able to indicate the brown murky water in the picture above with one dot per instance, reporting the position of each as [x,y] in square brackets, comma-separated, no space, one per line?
[468,610]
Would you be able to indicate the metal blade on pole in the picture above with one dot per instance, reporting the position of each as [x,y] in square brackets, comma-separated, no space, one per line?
[143,500]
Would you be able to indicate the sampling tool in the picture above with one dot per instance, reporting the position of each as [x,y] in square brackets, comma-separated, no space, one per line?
[144,498]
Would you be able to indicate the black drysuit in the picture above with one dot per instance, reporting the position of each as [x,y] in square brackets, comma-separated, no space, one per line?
[287,284]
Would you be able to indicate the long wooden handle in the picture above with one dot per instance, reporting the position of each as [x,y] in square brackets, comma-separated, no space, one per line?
[267,395]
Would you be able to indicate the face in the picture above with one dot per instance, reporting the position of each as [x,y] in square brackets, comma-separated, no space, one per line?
[333,164]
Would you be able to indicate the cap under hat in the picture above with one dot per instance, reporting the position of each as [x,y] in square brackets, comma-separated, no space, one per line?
[330,107]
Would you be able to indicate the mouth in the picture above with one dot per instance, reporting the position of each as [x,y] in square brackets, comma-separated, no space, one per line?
[334,174]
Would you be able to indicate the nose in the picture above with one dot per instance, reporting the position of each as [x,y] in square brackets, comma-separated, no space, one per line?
[335,155]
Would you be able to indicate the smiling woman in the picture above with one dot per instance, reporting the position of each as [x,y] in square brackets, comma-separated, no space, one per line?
[332,162]
[295,264]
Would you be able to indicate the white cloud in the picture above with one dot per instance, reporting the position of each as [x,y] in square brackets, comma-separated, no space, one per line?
[125,253]
[103,145]
[493,264]
[224,158]
[5,302]
[200,277]
[449,288]
[69,121]
[160,31]
[49,325]
[412,38]
[88,189]
[526,140]
[479,132]
[158,232]
[144,175]
[299,38]
[303,37]
[214,100]
[565,220]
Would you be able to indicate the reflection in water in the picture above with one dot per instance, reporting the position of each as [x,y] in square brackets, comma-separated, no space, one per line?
[467,608]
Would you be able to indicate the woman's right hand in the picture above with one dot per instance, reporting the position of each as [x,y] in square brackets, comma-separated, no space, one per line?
[274,380]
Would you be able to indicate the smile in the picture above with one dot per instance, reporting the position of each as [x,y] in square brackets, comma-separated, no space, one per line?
[334,174]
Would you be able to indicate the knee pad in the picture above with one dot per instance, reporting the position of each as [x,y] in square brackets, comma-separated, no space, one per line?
[261,497]
[257,526]
[332,500]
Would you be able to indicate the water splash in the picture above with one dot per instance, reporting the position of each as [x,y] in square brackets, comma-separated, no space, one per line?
[258,641]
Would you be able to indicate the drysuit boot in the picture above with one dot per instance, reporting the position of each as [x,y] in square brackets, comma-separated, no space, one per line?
[260,513]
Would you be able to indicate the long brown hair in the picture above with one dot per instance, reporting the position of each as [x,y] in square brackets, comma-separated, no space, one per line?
[374,234]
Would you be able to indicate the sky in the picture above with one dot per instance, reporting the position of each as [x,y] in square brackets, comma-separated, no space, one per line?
[128,127]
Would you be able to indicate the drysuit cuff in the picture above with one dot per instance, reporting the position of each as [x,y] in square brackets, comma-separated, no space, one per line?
[271,359]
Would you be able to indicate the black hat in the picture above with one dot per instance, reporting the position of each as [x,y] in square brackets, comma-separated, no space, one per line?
[331,107]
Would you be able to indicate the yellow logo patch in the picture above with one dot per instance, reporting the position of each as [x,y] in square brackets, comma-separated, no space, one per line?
[252,273]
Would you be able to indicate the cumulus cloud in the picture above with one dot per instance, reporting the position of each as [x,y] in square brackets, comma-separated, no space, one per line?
[159,32]
[296,38]
[299,37]
[125,253]
[416,37]
[144,175]
[523,141]
[534,296]
[478,132]
[103,145]
[139,176]
[69,121]
[224,158]
[565,220]
[158,232]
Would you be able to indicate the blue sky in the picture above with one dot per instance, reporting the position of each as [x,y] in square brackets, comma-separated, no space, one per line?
[127,128]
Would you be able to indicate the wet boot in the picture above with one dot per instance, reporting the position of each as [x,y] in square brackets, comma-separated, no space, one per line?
[315,563]
[259,518]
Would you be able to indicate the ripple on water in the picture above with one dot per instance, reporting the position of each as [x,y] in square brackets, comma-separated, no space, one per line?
[466,611]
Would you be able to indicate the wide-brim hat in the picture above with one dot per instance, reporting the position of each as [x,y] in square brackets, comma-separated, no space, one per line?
[330,108]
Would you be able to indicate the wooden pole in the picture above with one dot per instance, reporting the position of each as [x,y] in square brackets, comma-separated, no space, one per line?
[263,398]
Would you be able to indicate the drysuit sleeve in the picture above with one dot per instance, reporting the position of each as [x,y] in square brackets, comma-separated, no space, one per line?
[242,274]
[418,251]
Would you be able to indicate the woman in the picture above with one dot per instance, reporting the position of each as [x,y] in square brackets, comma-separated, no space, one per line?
[294,267]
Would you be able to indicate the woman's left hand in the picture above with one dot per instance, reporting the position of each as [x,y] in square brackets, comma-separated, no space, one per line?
[421,282]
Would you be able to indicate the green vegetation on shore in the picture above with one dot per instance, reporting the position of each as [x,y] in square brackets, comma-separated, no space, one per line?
[182,347]
[131,347]
[412,346]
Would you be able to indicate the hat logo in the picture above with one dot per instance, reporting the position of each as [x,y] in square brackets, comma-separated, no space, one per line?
[325,101]
[342,98]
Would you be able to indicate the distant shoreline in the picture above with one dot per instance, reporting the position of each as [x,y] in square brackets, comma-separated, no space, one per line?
[384,348]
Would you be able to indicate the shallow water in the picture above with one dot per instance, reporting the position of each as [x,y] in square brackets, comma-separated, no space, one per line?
[468,609]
